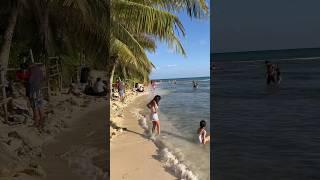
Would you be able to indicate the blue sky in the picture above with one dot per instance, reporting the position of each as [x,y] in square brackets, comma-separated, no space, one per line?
[170,64]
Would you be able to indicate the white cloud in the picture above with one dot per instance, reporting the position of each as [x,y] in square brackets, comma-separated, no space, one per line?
[172,65]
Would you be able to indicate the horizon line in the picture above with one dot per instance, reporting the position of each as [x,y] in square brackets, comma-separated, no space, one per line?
[208,76]
[227,52]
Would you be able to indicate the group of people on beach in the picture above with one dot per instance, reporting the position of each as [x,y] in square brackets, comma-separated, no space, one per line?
[273,73]
[98,88]
[138,88]
[153,105]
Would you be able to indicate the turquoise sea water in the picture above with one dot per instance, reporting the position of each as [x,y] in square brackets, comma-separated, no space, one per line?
[181,109]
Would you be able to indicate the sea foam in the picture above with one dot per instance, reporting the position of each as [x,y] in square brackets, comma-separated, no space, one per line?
[170,161]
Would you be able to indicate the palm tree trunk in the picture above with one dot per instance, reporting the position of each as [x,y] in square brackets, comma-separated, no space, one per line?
[7,40]
[111,74]
[42,8]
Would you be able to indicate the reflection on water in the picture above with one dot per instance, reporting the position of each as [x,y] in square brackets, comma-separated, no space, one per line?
[266,132]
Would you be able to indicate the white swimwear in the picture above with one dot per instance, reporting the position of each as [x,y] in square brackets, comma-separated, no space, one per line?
[204,132]
[154,117]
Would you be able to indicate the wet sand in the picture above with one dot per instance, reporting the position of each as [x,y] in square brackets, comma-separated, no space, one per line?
[132,155]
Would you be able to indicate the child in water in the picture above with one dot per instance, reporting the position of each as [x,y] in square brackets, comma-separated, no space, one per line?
[203,139]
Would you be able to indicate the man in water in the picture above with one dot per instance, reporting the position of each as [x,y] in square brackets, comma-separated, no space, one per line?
[35,83]
[278,73]
[195,84]
[270,72]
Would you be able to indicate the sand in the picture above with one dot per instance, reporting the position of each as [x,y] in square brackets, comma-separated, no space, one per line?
[132,154]
[72,154]
[26,153]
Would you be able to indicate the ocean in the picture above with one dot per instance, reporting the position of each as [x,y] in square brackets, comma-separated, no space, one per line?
[181,109]
[263,132]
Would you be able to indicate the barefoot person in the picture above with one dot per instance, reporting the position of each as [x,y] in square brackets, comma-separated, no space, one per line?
[122,90]
[153,106]
[35,96]
[203,139]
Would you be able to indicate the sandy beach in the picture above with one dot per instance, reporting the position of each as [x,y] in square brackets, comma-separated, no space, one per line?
[133,155]
[79,153]
[27,153]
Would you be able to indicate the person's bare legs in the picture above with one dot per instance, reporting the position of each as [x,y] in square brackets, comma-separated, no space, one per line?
[154,124]
[36,117]
[41,119]
[158,126]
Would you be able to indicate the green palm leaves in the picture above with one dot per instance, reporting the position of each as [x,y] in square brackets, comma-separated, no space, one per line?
[137,24]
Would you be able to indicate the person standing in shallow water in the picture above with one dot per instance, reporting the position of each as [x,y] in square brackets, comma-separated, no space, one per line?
[270,75]
[278,74]
[153,105]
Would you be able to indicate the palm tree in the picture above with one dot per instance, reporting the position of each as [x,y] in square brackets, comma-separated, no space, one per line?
[152,19]
[13,7]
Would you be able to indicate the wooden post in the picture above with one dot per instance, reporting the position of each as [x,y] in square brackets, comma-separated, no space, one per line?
[60,71]
[4,96]
[31,56]
[47,78]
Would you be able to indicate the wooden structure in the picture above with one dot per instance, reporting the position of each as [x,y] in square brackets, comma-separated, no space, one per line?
[54,75]
[4,100]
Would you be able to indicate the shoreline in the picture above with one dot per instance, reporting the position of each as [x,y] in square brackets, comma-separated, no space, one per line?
[132,155]
[134,146]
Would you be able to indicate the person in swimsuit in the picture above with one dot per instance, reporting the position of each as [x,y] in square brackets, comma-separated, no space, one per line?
[278,74]
[153,105]
[203,139]
[270,72]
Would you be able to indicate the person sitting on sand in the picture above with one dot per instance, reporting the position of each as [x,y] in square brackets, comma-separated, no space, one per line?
[73,89]
[141,89]
[153,105]
[203,139]
[99,88]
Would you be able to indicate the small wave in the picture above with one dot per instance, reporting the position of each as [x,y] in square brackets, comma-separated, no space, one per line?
[204,80]
[143,123]
[180,170]
[168,158]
